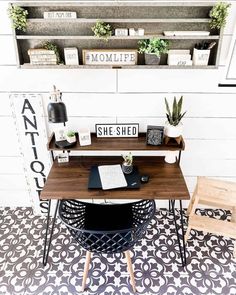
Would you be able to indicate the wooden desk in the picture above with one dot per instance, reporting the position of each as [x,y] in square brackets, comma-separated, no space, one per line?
[70,180]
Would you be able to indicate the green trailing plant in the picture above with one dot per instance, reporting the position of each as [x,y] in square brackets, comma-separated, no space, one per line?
[175,116]
[70,134]
[218,15]
[128,159]
[154,45]
[51,46]
[18,16]
[102,30]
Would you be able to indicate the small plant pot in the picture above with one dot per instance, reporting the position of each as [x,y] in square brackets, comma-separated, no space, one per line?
[71,139]
[152,59]
[173,131]
[126,168]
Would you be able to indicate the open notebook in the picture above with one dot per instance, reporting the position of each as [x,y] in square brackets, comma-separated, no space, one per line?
[112,177]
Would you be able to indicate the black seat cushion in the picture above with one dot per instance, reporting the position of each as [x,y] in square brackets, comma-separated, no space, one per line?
[105,217]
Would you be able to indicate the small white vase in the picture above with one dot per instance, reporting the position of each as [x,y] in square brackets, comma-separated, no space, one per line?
[71,139]
[170,157]
[173,131]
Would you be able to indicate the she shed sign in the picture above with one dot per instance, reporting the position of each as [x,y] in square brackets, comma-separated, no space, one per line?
[112,57]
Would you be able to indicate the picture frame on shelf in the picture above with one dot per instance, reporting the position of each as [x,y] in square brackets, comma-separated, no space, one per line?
[155,135]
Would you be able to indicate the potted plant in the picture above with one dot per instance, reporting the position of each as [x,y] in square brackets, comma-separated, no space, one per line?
[102,30]
[152,49]
[70,136]
[127,165]
[18,16]
[51,46]
[173,127]
[218,15]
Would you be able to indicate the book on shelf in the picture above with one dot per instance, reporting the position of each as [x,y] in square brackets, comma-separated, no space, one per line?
[43,62]
[38,51]
[43,58]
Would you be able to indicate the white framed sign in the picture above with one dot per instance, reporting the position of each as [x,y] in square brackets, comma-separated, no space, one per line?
[117,130]
[30,125]
[112,57]
[59,14]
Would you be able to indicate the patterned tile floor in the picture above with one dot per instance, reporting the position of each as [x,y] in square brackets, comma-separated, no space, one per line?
[211,268]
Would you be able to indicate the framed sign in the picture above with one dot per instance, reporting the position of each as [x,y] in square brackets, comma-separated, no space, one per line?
[117,130]
[155,135]
[112,57]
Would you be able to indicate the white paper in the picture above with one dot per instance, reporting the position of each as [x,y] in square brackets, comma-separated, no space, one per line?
[111,176]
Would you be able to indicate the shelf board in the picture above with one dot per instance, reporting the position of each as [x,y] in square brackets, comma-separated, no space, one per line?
[46,37]
[119,144]
[29,66]
[123,20]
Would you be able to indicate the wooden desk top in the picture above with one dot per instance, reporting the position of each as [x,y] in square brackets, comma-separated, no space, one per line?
[70,180]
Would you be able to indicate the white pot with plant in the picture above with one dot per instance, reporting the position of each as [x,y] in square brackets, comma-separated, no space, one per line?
[70,137]
[174,126]
[127,165]
[153,49]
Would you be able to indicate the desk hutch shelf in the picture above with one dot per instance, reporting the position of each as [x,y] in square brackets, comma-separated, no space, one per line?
[152,16]
[119,144]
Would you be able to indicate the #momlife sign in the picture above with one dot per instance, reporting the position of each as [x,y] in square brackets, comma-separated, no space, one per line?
[112,57]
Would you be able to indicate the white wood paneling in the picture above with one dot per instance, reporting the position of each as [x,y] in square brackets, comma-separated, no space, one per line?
[14,198]
[153,105]
[5,109]
[11,165]
[5,27]
[194,128]
[9,145]
[210,149]
[225,49]
[7,51]
[168,80]
[13,182]
[231,19]
[73,80]
[209,167]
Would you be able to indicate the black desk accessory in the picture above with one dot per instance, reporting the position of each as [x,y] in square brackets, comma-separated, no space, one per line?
[144,178]
[64,144]
[133,179]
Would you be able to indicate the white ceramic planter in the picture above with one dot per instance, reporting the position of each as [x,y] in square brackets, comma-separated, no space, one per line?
[71,139]
[170,157]
[173,131]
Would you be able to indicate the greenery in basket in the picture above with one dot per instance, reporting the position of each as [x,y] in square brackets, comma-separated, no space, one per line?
[154,45]
[18,16]
[51,46]
[70,134]
[175,116]
[128,159]
[218,15]
[102,30]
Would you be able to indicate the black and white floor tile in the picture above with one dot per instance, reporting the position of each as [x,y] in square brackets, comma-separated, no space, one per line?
[211,268]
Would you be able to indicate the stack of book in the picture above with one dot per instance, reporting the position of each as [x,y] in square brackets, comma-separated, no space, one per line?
[42,56]
[179,57]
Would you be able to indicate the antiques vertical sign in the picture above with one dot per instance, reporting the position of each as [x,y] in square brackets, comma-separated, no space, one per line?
[31,129]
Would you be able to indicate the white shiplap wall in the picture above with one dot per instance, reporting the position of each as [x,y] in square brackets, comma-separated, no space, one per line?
[94,96]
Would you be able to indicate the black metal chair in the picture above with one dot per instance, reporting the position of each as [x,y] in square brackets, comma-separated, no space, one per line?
[107,228]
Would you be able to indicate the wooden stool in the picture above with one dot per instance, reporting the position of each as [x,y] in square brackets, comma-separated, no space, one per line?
[213,193]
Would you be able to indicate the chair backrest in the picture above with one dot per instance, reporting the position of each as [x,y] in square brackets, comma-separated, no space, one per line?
[216,192]
[107,228]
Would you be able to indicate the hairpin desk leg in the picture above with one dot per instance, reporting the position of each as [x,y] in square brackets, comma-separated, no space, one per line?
[47,243]
[182,250]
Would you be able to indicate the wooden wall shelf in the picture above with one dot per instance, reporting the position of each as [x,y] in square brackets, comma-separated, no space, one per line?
[153,17]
